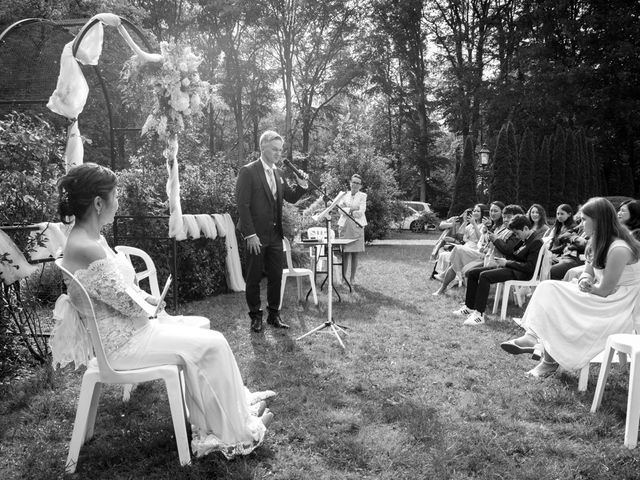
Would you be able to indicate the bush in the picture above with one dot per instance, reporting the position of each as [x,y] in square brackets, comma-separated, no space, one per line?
[30,162]
[352,152]
[207,186]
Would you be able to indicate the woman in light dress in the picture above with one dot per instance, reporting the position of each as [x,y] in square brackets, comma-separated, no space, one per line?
[472,253]
[354,203]
[225,416]
[571,321]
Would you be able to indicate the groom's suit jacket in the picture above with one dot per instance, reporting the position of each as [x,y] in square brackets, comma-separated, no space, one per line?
[259,212]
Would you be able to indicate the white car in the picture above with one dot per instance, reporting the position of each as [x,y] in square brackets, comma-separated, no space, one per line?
[414,217]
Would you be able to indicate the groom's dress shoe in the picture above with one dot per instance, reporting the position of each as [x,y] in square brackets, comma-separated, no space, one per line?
[256,321]
[274,320]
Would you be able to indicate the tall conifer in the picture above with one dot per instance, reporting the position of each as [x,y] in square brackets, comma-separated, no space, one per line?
[504,182]
[526,170]
[557,169]
[464,191]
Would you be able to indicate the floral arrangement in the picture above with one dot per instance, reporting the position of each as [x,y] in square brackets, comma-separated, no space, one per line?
[179,94]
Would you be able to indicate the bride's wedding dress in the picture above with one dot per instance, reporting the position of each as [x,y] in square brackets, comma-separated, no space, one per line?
[222,410]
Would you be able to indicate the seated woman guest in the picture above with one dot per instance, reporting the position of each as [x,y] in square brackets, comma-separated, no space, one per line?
[518,265]
[562,229]
[474,229]
[538,217]
[223,412]
[573,320]
[629,216]
[355,203]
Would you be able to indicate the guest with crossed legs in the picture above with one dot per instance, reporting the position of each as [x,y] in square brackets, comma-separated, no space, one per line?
[519,265]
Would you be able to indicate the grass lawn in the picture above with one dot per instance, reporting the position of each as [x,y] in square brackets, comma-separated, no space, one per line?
[415,395]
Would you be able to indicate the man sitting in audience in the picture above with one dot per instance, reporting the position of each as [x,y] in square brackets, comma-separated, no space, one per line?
[519,265]
[573,254]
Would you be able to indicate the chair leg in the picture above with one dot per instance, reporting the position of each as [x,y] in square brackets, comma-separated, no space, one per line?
[282,287]
[505,301]
[583,380]
[605,366]
[496,298]
[633,404]
[89,394]
[299,285]
[313,289]
[176,403]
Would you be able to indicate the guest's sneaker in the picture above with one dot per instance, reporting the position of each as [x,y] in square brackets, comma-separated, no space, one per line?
[475,318]
[463,311]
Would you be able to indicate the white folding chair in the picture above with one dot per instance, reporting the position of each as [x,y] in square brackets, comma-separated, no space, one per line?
[541,272]
[297,273]
[100,371]
[625,344]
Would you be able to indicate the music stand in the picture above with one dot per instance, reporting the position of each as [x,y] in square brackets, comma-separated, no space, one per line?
[329,323]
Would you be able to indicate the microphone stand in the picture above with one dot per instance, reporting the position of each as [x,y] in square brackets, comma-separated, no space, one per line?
[326,214]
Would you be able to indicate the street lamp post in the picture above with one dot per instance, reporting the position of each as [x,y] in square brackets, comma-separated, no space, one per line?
[484,153]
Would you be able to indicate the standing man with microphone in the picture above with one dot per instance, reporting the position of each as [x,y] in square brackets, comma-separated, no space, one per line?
[260,191]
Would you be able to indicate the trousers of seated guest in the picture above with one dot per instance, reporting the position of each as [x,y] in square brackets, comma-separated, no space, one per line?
[480,280]
[564,264]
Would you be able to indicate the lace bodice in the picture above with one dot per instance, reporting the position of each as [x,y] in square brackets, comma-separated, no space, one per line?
[118,316]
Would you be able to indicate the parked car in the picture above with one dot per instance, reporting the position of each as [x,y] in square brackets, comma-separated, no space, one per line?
[414,216]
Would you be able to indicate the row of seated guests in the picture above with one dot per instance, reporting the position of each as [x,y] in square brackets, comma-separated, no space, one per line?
[564,320]
[567,323]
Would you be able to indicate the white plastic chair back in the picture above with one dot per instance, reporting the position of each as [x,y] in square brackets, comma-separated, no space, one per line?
[91,326]
[149,272]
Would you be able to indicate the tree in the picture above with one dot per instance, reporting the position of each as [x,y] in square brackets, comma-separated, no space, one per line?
[353,152]
[464,190]
[572,170]
[461,29]
[402,23]
[557,168]
[527,186]
[504,181]
[325,68]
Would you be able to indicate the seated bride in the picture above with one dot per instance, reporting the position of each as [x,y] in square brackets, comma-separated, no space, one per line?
[223,412]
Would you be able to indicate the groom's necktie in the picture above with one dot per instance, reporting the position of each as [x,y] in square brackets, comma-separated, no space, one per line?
[272,182]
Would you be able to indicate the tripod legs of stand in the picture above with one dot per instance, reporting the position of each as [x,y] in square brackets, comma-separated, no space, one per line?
[335,329]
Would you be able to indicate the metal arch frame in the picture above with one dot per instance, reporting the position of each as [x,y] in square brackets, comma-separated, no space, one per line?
[76,43]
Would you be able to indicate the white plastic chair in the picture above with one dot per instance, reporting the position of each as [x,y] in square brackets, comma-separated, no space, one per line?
[625,344]
[100,371]
[297,273]
[583,379]
[541,272]
[151,273]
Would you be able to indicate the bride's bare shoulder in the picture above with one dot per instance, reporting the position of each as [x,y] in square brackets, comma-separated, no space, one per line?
[81,251]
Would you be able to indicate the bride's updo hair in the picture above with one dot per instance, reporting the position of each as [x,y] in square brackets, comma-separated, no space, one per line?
[80,186]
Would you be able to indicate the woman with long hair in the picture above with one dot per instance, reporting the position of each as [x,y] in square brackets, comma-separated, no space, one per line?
[571,321]
[562,229]
[473,228]
[629,216]
[225,416]
[538,217]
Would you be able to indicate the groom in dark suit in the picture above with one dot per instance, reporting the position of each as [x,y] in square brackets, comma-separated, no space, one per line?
[260,191]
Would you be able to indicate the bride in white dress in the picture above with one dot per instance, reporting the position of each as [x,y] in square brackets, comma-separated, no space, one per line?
[223,412]
[573,320]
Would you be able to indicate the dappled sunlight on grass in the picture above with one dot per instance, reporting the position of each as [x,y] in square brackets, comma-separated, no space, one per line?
[414,395]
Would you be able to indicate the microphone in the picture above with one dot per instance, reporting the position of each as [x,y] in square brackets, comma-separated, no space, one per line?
[294,169]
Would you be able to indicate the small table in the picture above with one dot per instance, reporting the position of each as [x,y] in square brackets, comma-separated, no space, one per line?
[336,242]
